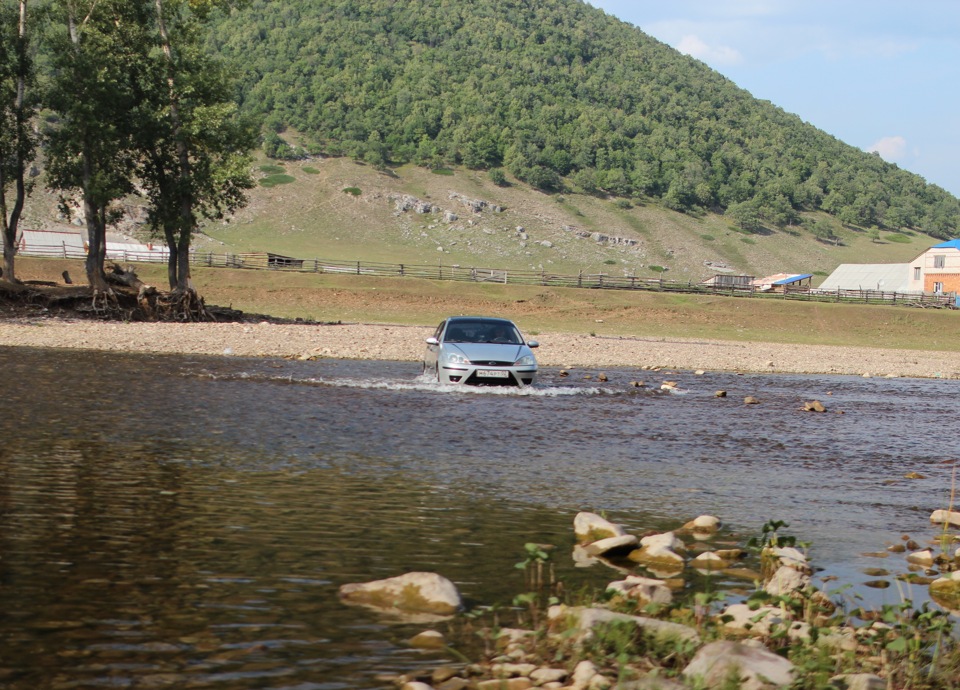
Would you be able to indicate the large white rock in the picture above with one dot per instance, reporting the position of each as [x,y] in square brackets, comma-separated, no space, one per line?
[660,550]
[786,581]
[612,545]
[590,527]
[759,669]
[945,516]
[416,592]
[703,523]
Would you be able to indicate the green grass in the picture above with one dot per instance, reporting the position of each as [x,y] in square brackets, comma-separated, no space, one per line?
[897,237]
[310,170]
[708,238]
[271,169]
[442,171]
[276,179]
[352,191]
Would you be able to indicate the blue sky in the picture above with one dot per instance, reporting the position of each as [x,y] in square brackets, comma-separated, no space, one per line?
[881,75]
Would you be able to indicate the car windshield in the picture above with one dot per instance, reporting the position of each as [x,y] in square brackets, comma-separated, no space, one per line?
[482,332]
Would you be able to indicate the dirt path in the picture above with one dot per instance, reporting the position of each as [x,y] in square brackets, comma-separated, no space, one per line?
[405,343]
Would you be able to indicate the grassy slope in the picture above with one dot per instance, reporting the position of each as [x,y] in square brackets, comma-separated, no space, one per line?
[603,312]
[314,217]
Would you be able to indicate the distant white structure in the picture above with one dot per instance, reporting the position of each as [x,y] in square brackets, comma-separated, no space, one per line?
[61,244]
[879,277]
[52,243]
[133,251]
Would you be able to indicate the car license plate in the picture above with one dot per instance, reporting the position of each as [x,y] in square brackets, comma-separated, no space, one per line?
[493,374]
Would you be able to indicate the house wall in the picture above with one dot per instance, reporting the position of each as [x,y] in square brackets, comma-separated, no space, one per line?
[930,273]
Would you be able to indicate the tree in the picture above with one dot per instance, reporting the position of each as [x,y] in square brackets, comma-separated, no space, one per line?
[98,63]
[17,143]
[195,151]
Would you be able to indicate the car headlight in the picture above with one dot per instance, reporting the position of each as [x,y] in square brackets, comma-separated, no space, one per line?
[455,358]
[525,361]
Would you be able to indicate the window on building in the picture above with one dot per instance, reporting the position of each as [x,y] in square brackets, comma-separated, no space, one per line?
[938,288]
[916,273]
[939,261]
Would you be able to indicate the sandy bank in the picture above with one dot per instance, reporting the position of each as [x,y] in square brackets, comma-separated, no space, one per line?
[405,343]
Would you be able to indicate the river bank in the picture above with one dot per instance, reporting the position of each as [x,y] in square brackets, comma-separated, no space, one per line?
[405,343]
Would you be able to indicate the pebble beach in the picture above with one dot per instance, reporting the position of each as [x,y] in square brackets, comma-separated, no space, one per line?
[405,343]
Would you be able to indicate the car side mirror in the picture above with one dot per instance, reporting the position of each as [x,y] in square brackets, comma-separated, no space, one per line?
[533,343]
[432,341]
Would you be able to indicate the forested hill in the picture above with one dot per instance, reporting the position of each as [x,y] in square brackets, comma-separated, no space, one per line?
[561,95]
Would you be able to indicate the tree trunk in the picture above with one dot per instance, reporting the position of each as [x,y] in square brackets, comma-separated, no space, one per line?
[186,221]
[11,225]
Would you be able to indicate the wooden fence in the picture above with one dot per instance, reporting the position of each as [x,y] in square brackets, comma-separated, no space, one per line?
[604,281]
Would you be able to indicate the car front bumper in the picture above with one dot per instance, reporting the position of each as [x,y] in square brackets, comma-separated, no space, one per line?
[488,376]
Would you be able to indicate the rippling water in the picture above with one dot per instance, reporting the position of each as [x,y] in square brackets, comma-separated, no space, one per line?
[186,522]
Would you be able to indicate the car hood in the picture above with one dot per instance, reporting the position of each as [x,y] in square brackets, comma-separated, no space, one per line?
[490,352]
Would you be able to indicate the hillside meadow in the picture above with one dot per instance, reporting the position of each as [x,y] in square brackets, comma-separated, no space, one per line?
[614,313]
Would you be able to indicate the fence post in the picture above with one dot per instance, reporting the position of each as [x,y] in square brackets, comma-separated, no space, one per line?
[358,268]
[316,265]
[401,269]
[580,278]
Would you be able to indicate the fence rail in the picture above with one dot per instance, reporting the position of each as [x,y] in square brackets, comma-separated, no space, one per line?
[274,262]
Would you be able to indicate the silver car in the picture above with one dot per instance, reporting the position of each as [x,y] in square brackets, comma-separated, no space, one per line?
[480,351]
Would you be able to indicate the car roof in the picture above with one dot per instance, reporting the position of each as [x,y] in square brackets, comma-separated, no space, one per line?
[490,319]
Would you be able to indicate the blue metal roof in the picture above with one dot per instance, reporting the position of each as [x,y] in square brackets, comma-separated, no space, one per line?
[793,279]
[949,244]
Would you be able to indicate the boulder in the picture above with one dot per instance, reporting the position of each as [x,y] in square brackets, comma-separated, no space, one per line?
[859,681]
[428,639]
[584,619]
[814,406]
[946,591]
[950,517]
[924,558]
[750,400]
[787,580]
[755,621]
[590,527]
[758,668]
[643,589]
[660,550]
[612,546]
[708,560]
[703,523]
[417,592]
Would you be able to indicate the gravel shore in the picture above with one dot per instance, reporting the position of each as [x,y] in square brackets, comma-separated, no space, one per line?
[405,343]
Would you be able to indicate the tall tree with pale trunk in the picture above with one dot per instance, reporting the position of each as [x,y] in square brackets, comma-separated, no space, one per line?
[17,141]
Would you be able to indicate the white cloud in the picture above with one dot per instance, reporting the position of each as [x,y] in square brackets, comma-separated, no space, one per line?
[890,148]
[696,47]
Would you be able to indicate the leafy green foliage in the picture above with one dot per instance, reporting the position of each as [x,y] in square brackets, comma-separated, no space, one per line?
[352,191]
[557,94]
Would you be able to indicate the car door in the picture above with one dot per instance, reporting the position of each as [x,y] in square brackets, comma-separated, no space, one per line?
[432,353]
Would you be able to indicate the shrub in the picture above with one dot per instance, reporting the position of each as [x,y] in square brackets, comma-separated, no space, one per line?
[352,191]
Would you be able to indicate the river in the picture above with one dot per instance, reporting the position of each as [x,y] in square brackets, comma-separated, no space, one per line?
[171,521]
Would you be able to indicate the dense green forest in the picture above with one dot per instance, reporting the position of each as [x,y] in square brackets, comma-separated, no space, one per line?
[559,94]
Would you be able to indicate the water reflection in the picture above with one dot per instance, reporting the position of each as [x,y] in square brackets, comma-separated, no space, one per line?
[187,521]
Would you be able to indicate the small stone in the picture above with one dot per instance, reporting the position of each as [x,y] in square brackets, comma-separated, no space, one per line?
[913,475]
[814,406]
[750,400]
[720,394]
[428,639]
[601,377]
